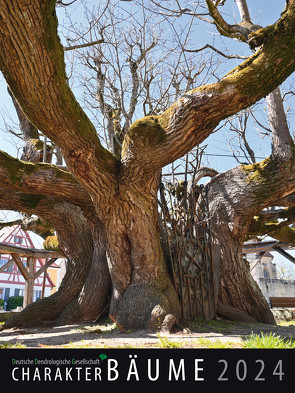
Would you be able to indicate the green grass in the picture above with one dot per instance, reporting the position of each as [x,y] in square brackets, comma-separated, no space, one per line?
[287,323]
[9,345]
[210,326]
[83,344]
[108,327]
[217,344]
[262,340]
[270,340]
[164,342]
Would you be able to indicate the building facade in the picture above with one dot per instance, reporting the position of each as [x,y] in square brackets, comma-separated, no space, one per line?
[12,283]
[264,272]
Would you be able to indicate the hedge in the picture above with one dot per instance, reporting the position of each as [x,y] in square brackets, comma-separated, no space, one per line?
[13,302]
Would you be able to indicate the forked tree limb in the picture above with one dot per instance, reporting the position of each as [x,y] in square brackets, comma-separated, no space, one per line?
[34,68]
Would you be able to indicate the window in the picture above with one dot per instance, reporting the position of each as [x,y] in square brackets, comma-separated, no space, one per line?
[37,295]
[9,269]
[1,293]
[266,273]
[3,261]
[18,240]
[19,292]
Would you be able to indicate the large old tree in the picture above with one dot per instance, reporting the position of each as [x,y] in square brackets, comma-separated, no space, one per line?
[103,201]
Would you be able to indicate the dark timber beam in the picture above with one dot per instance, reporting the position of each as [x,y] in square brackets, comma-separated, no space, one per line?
[250,248]
[284,253]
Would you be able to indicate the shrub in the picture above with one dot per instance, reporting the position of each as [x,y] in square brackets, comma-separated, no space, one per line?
[1,302]
[14,301]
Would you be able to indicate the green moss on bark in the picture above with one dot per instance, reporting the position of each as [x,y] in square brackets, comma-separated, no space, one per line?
[37,143]
[18,169]
[42,228]
[148,131]
[284,234]
[262,171]
[255,75]
[15,168]
[263,178]
[31,201]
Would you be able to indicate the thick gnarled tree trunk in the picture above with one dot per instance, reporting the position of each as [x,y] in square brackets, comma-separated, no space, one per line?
[142,290]
[235,197]
[85,290]
[123,191]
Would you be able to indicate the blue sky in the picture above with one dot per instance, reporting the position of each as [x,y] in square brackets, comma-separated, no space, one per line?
[219,156]
[261,12]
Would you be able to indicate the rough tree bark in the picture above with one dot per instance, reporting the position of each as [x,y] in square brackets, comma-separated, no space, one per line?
[85,289]
[92,283]
[123,191]
[238,195]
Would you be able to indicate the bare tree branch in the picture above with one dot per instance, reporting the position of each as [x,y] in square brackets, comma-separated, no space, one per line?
[281,137]
[218,51]
[240,31]
[86,45]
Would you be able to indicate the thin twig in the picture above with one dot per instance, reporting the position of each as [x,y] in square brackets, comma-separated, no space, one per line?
[216,50]
[67,48]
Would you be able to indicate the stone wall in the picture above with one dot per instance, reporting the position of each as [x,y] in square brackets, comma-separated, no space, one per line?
[273,287]
[284,315]
[5,315]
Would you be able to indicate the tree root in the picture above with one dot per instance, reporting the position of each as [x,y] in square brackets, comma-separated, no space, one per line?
[233,314]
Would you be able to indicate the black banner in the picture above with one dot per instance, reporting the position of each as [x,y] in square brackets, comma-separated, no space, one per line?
[148,367]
